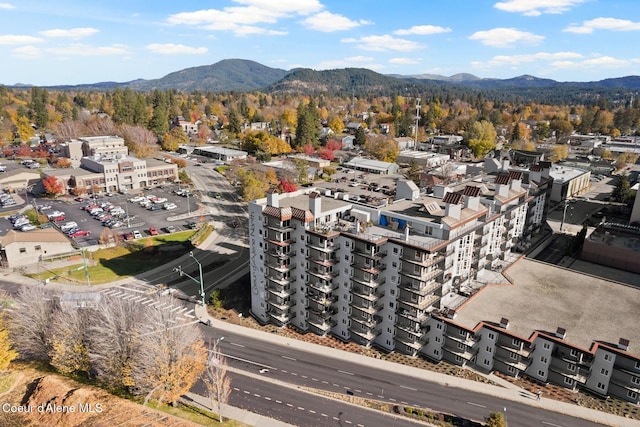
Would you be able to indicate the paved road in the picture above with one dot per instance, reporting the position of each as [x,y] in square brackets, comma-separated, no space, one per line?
[300,368]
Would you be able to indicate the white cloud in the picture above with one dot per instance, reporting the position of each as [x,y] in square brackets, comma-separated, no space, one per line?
[27,52]
[350,61]
[404,61]
[537,7]
[506,37]
[175,49]
[73,33]
[540,56]
[11,39]
[7,6]
[88,50]
[611,24]
[383,43]
[242,20]
[422,30]
[328,22]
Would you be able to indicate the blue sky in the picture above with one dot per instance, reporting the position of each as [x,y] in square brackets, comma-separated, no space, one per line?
[76,41]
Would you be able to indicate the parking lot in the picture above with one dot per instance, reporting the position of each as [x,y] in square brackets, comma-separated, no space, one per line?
[136,217]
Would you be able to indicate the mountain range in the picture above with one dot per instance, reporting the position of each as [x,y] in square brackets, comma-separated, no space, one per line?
[245,75]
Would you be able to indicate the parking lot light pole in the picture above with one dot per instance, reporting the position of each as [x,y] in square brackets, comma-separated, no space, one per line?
[201,282]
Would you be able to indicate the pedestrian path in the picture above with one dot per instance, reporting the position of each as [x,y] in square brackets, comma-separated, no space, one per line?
[139,294]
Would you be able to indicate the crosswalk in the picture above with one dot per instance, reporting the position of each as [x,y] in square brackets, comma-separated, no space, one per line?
[142,294]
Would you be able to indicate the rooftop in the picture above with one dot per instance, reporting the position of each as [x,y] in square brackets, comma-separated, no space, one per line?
[565,173]
[546,297]
[42,235]
[368,163]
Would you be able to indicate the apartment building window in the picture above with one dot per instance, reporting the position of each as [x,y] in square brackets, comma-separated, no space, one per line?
[492,336]
[395,250]
[516,342]
[546,346]
[604,371]
[601,386]
[568,381]
[638,365]
[23,250]
[461,332]
[439,326]
[632,395]
[574,353]
[607,357]
[458,359]
[436,352]
[511,369]
[513,356]
[635,380]
[543,359]
[571,367]
[394,264]
[37,247]
[489,349]
[486,362]
[541,373]
[437,339]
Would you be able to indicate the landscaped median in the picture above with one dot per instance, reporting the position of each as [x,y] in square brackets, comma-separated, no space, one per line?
[125,259]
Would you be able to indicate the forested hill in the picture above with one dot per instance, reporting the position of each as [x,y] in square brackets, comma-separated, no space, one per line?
[226,75]
[245,76]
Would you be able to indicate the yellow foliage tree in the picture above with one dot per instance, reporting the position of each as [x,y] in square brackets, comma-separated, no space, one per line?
[336,125]
[7,352]
[25,131]
[384,149]
[559,152]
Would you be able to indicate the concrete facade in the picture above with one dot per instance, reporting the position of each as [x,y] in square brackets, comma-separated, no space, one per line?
[373,274]
[22,249]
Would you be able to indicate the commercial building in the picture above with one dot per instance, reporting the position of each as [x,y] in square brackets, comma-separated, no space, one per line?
[219,153]
[372,166]
[423,158]
[372,274]
[20,249]
[568,182]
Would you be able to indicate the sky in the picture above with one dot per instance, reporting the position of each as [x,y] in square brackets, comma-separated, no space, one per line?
[78,41]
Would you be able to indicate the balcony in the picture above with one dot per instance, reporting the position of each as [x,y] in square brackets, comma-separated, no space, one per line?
[412,339]
[280,280]
[421,290]
[279,227]
[322,326]
[278,252]
[365,330]
[280,317]
[371,268]
[374,252]
[322,300]
[366,306]
[579,375]
[465,352]
[424,261]
[280,304]
[323,273]
[281,243]
[323,246]
[326,287]
[280,291]
[371,283]
[323,261]
[422,276]
[366,293]
[520,351]
[283,268]
[521,364]
[416,316]
[420,303]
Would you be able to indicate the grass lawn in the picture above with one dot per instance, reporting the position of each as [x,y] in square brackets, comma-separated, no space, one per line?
[127,259]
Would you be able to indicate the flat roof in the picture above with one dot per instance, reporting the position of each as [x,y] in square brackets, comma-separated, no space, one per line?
[301,201]
[565,173]
[546,297]
[368,163]
[222,150]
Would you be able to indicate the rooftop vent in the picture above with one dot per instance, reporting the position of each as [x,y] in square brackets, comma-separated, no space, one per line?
[561,333]
[623,344]
[504,323]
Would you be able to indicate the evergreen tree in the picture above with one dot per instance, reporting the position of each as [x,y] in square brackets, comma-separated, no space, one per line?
[307,130]
[39,99]
[235,126]
[360,138]
[159,123]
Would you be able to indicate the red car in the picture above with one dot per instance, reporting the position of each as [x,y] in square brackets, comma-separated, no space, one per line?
[58,218]
[153,231]
[80,233]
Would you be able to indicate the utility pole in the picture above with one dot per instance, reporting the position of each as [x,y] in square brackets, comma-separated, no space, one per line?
[86,268]
[178,270]
[415,144]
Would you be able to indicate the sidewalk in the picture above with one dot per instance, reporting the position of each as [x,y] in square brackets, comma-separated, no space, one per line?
[511,392]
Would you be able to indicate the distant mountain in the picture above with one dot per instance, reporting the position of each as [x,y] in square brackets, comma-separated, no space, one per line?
[226,75]
[245,75]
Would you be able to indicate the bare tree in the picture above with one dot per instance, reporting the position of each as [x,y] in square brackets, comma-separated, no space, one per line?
[110,341]
[30,322]
[101,126]
[216,379]
[141,141]
[169,356]
[68,130]
[67,345]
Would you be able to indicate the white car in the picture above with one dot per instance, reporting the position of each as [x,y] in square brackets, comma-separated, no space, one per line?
[54,214]
[137,234]
[28,227]
[170,206]
[160,200]
[136,199]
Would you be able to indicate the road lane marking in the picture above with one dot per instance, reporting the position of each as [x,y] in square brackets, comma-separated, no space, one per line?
[408,388]
[358,391]
[267,398]
[304,376]
[246,392]
[294,374]
[289,405]
[369,394]
[336,385]
[237,345]
[324,415]
[312,411]
[325,382]
[551,424]
[348,422]
[236,389]
[256,395]
[346,373]
[279,402]
[476,404]
[289,358]
[314,379]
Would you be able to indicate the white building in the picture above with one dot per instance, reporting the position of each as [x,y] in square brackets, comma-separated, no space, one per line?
[373,274]
[24,249]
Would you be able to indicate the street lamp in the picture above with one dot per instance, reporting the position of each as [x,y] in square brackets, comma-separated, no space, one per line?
[201,282]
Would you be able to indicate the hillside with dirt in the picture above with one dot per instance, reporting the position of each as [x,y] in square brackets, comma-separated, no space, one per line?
[43,399]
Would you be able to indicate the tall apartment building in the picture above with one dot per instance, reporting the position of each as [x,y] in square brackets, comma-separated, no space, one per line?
[373,273]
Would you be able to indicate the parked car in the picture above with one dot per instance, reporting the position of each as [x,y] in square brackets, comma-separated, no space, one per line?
[136,234]
[160,200]
[192,225]
[58,218]
[28,227]
[80,233]
[127,236]
[170,206]
[154,207]
[79,199]
[69,225]
[153,231]
[13,218]
[20,223]
[43,208]
[54,214]
[136,199]
[217,195]
[170,229]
